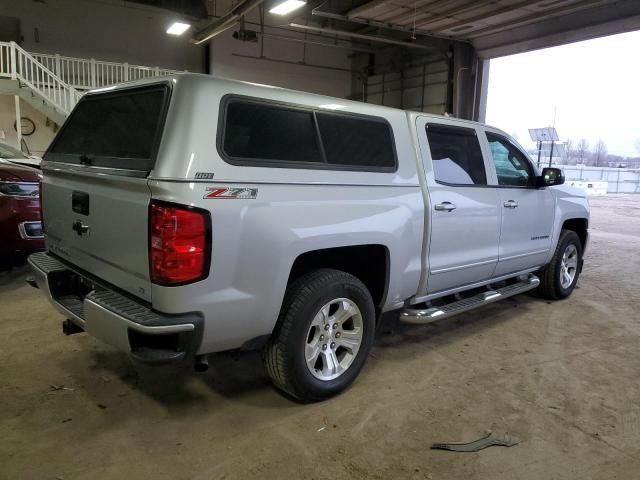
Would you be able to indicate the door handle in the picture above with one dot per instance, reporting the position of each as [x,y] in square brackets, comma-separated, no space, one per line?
[511,204]
[445,207]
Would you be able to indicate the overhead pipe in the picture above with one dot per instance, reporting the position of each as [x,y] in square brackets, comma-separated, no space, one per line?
[370,38]
[319,44]
[225,22]
[291,62]
[378,24]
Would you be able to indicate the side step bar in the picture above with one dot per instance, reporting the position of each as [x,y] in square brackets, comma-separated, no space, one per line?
[431,314]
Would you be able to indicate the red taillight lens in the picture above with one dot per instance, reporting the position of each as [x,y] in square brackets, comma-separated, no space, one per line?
[40,200]
[179,244]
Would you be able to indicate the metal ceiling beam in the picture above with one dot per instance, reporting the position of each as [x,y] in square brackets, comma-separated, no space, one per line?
[358,11]
[225,22]
[536,17]
[370,38]
[578,26]
[432,17]
[484,16]
[418,9]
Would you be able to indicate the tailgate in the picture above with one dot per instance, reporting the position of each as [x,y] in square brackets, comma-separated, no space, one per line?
[109,238]
[94,193]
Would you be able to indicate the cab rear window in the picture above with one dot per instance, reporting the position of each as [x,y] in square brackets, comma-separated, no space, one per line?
[119,129]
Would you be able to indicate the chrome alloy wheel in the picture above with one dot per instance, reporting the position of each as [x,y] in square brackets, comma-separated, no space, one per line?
[569,266]
[333,339]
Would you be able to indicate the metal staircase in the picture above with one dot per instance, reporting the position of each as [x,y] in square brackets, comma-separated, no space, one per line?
[53,84]
[23,75]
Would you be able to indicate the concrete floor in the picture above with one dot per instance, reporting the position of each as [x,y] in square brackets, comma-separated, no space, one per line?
[561,376]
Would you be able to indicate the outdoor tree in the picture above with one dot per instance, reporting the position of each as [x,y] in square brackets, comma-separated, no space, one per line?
[569,149]
[600,154]
[582,150]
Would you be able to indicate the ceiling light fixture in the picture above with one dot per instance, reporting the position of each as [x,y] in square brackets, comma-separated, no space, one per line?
[178,28]
[287,6]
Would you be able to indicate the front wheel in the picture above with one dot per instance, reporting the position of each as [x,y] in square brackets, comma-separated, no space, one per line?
[323,335]
[560,276]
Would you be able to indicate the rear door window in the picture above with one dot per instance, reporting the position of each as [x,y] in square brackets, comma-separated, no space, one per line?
[456,155]
[119,129]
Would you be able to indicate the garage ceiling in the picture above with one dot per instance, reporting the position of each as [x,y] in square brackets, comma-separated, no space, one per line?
[464,19]
[489,24]
[193,8]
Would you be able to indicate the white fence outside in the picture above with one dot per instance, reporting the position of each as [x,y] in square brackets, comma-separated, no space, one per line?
[619,180]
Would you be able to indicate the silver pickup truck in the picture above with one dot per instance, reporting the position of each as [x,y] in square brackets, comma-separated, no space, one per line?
[193,215]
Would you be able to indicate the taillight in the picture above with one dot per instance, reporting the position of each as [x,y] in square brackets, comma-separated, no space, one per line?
[179,244]
[40,200]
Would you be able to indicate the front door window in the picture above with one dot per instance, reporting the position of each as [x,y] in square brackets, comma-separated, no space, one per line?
[512,166]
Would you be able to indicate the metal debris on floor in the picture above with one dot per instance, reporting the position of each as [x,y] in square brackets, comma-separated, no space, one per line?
[57,388]
[489,440]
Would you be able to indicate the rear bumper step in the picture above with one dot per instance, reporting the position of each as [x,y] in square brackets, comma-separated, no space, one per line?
[116,319]
[432,314]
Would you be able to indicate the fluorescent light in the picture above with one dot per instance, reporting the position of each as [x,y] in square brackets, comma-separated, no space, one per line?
[288,6]
[178,28]
[331,106]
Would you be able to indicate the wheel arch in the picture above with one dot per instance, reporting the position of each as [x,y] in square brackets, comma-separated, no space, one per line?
[580,226]
[370,263]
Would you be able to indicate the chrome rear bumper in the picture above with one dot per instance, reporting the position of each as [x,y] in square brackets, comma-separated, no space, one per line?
[123,322]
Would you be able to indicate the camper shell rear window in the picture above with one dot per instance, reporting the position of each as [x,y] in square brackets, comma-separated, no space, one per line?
[119,129]
[265,133]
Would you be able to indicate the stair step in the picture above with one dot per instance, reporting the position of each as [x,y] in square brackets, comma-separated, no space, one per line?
[431,314]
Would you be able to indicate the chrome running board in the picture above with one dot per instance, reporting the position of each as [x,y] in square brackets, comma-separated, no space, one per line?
[431,314]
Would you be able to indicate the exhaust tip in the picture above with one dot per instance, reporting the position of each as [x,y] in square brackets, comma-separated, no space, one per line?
[202,363]
[32,281]
[70,328]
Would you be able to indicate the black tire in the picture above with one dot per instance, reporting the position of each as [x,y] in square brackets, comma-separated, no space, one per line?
[285,353]
[550,286]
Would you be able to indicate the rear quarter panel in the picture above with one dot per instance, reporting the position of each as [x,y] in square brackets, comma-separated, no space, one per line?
[256,241]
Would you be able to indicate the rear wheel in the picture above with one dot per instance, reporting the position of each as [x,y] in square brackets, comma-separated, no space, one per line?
[323,335]
[560,276]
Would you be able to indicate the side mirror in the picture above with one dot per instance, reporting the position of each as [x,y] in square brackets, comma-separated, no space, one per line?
[550,177]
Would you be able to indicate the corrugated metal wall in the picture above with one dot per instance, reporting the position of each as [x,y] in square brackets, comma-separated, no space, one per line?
[421,86]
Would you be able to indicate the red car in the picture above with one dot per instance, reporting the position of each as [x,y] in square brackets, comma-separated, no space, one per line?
[20,225]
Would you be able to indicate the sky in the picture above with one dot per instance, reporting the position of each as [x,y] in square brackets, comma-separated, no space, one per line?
[593,87]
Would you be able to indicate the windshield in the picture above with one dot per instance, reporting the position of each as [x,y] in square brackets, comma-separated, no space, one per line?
[8,152]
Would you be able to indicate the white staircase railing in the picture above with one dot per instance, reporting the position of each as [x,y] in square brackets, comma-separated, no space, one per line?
[57,79]
[84,74]
[17,64]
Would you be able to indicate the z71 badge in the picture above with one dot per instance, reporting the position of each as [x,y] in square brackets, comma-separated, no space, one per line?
[231,193]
